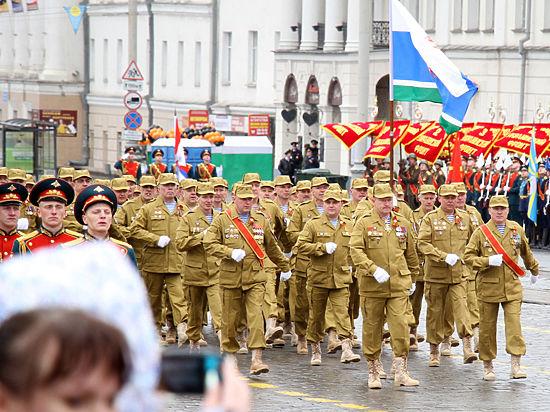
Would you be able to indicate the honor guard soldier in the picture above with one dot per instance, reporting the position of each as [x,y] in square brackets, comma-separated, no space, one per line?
[94,207]
[325,240]
[442,240]
[157,167]
[183,170]
[50,197]
[27,219]
[128,165]
[200,271]
[383,252]
[493,253]
[242,238]
[220,193]
[205,171]
[12,196]
[156,224]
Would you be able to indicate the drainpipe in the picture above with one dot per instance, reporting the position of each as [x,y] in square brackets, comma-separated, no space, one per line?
[214,56]
[523,54]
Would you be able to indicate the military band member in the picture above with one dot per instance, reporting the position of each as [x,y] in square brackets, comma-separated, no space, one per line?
[325,240]
[12,196]
[128,165]
[242,238]
[205,171]
[493,252]
[50,197]
[383,252]
[157,167]
[442,240]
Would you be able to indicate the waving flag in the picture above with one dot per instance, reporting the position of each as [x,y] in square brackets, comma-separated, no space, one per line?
[420,72]
[533,174]
[178,148]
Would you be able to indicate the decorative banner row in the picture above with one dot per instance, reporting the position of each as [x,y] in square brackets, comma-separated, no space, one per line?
[17,6]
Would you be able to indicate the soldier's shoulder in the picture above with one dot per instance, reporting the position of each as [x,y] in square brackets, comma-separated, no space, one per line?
[28,236]
[514,225]
[462,213]
[121,243]
[431,214]
[74,242]
[74,233]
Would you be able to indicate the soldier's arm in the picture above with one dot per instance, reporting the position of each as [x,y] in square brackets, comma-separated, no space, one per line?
[184,239]
[410,253]
[121,219]
[273,250]
[18,248]
[116,233]
[526,254]
[295,226]
[138,229]
[213,240]
[473,255]
[280,230]
[358,249]
[424,242]
[306,243]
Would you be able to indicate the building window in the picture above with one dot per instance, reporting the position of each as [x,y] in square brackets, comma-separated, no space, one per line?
[180,63]
[105,60]
[198,56]
[119,64]
[252,57]
[489,16]
[519,24]
[546,22]
[429,15]
[473,16]
[92,60]
[457,16]
[226,57]
[164,64]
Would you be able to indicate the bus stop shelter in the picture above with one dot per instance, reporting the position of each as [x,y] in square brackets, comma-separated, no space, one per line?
[30,145]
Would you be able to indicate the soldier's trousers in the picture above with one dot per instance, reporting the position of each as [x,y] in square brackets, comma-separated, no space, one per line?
[416,301]
[155,283]
[373,309]
[269,306]
[339,298]
[299,303]
[488,314]
[354,302]
[436,295]
[198,297]
[283,301]
[232,301]
[473,309]
[330,318]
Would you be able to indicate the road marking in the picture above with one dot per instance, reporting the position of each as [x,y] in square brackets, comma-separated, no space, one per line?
[289,393]
[262,385]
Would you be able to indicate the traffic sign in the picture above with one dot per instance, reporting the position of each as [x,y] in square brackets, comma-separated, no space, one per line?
[134,135]
[133,100]
[132,72]
[132,85]
[132,120]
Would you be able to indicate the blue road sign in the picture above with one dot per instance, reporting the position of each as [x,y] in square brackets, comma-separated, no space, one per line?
[133,120]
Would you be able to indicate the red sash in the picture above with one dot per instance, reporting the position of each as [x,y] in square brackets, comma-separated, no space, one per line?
[130,168]
[498,247]
[245,233]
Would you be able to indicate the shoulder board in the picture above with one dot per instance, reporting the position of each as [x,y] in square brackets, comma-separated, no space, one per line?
[431,213]
[316,217]
[269,201]
[28,236]
[121,243]
[73,233]
[73,242]
[345,219]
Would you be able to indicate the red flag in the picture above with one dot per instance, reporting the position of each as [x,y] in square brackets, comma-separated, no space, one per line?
[178,152]
[455,170]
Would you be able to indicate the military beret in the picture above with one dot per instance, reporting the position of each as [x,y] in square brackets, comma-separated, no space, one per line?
[91,195]
[52,189]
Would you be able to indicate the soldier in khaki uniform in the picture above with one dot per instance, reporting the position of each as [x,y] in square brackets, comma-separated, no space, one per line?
[303,191]
[81,180]
[442,240]
[267,190]
[220,188]
[242,237]
[200,271]
[402,207]
[325,240]
[121,188]
[28,219]
[189,192]
[367,204]
[132,183]
[359,191]
[498,284]
[383,251]
[66,174]
[155,225]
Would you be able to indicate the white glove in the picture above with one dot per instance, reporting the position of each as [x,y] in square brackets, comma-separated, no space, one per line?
[284,276]
[287,221]
[287,255]
[23,223]
[125,156]
[412,289]
[238,254]
[495,260]
[451,259]
[505,188]
[482,187]
[381,275]
[534,279]
[330,247]
[204,232]
[163,241]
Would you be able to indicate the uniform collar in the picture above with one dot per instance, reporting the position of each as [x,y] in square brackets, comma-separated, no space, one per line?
[46,232]
[88,236]
[13,232]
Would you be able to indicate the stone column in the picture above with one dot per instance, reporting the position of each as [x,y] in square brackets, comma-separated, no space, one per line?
[291,15]
[335,15]
[313,12]
[20,44]
[352,42]
[36,43]
[6,42]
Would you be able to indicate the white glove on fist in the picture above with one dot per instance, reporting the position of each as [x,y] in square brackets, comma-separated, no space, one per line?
[451,259]
[495,260]
[238,254]
[412,289]
[23,223]
[534,279]
[381,275]
[284,276]
[287,255]
[163,241]
[330,247]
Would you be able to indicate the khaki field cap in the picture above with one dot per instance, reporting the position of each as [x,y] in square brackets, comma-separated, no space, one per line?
[188,183]
[65,172]
[334,186]
[219,181]
[345,195]
[167,178]
[499,200]
[399,189]
[251,177]
[104,182]
[333,194]
[43,177]
[4,171]
[130,178]
[460,187]
[382,176]
[267,183]
[359,183]
[303,185]
[318,181]
[17,174]
[293,190]
[81,173]
[447,190]
[205,189]
[244,192]
[30,180]
[282,180]
[147,181]
[234,187]
[427,189]
[382,191]
[120,183]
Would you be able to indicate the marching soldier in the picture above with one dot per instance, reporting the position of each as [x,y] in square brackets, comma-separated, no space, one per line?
[127,165]
[220,193]
[157,167]
[359,191]
[200,271]
[3,175]
[366,205]
[383,251]
[493,252]
[189,192]
[132,184]
[66,174]
[426,176]
[242,238]
[205,171]
[402,207]
[50,197]
[267,190]
[303,191]
[325,240]
[12,196]
[442,240]
[511,190]
[410,178]
[121,188]
[439,176]
[81,180]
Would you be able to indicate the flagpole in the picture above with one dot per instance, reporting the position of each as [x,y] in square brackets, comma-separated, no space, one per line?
[392,185]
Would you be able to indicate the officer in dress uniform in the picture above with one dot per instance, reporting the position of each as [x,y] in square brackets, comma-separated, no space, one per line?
[205,171]
[296,157]
[127,165]
[12,196]
[493,252]
[28,219]
[50,197]
[157,167]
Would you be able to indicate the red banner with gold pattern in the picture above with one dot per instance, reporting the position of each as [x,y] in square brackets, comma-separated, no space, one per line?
[380,148]
[429,144]
[479,138]
[351,133]
[519,138]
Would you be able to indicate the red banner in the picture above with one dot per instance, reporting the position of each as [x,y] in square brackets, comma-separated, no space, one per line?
[478,138]
[198,118]
[351,133]
[380,148]
[519,138]
[429,144]
[258,125]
